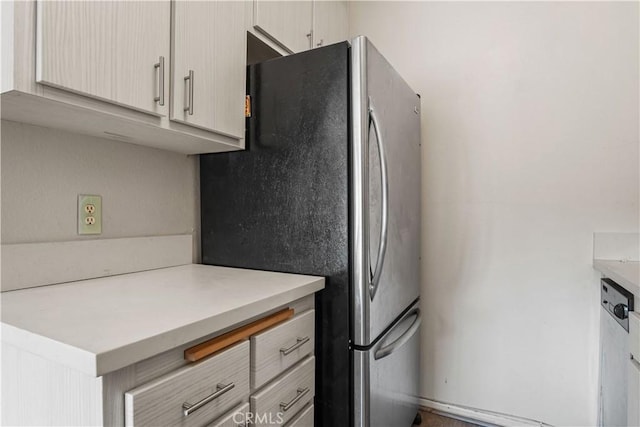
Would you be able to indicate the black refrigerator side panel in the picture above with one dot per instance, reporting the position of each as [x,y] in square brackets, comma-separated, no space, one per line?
[283,204]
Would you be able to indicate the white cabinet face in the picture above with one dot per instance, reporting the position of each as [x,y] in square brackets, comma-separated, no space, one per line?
[330,22]
[209,65]
[286,22]
[110,50]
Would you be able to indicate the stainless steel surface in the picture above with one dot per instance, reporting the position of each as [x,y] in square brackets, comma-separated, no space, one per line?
[384,349]
[360,198]
[189,408]
[361,396]
[387,393]
[160,66]
[399,127]
[300,342]
[384,185]
[301,392]
[189,104]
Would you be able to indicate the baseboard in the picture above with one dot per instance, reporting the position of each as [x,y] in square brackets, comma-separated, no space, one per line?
[476,416]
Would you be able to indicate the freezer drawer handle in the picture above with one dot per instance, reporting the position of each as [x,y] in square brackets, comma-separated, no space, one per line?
[189,408]
[299,343]
[386,350]
[375,275]
[301,392]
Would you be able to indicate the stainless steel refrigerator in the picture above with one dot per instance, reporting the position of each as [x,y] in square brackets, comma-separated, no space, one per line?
[330,185]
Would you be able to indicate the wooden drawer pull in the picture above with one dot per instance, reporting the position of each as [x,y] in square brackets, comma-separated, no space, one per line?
[202,350]
[191,408]
[300,342]
[301,392]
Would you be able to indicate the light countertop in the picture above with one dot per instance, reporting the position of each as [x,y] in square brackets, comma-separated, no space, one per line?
[100,325]
[624,273]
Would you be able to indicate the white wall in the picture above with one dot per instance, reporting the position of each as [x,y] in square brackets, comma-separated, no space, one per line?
[530,135]
[145,192]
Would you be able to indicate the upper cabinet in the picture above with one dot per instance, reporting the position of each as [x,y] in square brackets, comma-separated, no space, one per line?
[113,51]
[330,22]
[288,23]
[295,26]
[165,73]
[208,65]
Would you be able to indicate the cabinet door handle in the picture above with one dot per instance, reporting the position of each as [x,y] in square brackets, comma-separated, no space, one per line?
[320,43]
[189,104]
[160,66]
[299,343]
[310,37]
[301,392]
[189,408]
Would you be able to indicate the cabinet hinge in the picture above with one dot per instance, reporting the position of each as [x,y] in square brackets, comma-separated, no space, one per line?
[247,106]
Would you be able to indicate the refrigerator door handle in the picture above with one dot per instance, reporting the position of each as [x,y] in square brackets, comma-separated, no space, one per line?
[375,275]
[386,350]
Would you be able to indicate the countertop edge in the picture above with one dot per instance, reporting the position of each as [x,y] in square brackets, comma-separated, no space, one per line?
[604,267]
[117,358]
[49,349]
[103,363]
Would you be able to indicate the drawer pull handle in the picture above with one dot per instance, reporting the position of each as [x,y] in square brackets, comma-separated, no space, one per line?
[299,343]
[191,408]
[301,392]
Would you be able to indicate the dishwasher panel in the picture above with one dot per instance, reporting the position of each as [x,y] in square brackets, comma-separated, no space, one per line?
[616,304]
[633,410]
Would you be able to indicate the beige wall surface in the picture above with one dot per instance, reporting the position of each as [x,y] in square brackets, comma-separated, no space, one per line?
[530,135]
[145,191]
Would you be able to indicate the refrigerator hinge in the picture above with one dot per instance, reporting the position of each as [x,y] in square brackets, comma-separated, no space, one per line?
[247,106]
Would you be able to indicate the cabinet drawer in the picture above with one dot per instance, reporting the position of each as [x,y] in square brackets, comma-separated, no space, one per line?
[237,417]
[303,419]
[212,387]
[278,348]
[283,398]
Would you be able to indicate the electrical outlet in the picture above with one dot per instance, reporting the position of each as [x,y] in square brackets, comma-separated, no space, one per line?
[89,214]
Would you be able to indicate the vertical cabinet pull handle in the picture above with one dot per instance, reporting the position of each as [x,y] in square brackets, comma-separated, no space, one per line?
[301,392]
[320,43]
[189,104]
[188,408]
[309,36]
[160,67]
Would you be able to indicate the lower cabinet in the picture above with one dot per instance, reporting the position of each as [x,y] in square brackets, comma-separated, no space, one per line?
[193,395]
[266,380]
[283,398]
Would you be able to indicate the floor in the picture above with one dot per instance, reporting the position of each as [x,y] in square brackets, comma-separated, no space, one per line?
[429,419]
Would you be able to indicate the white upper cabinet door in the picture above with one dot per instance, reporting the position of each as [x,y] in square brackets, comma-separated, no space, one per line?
[209,65]
[330,22]
[286,22]
[111,50]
